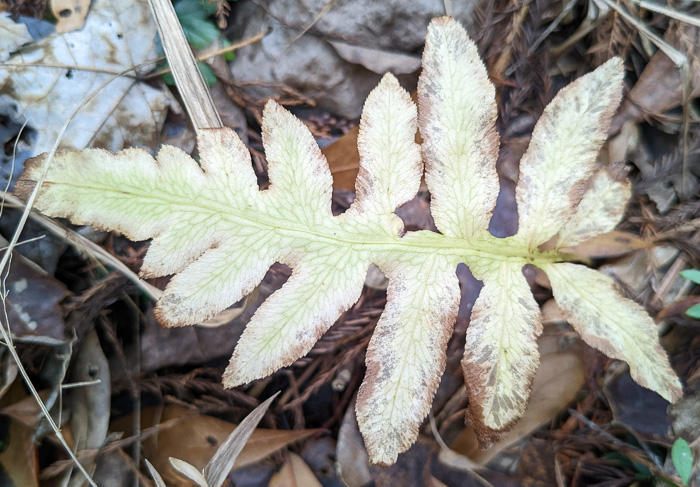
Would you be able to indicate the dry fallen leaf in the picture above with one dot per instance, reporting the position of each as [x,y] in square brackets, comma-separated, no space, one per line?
[344,160]
[196,439]
[18,459]
[558,379]
[352,460]
[220,464]
[32,300]
[89,404]
[608,245]
[188,471]
[12,35]
[294,473]
[660,86]
[70,14]
[48,80]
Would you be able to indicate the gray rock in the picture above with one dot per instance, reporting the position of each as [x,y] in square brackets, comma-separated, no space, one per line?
[376,35]
[307,65]
[397,25]
[378,61]
[231,114]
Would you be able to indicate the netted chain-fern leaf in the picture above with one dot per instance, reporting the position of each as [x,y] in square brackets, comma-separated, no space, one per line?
[214,229]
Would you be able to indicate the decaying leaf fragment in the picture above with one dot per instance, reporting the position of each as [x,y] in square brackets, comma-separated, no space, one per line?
[12,35]
[214,228]
[46,81]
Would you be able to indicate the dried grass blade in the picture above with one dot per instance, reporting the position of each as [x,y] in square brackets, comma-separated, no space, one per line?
[668,12]
[154,473]
[188,79]
[222,462]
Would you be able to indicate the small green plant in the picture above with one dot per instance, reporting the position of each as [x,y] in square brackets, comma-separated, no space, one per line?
[693,275]
[682,458]
[219,233]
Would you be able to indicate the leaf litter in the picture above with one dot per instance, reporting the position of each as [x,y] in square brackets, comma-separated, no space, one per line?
[351,333]
[39,82]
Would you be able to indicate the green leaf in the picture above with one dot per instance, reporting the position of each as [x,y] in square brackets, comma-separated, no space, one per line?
[207,73]
[230,55]
[693,311]
[199,30]
[209,6]
[692,275]
[168,77]
[682,458]
[219,234]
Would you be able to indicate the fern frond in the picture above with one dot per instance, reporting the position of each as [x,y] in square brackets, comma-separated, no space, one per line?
[214,228]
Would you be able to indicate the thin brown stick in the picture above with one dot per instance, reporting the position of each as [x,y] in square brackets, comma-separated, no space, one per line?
[209,55]
[155,74]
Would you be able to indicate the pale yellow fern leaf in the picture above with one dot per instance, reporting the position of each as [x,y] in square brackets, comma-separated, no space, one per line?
[616,326]
[406,356]
[457,121]
[501,354]
[600,209]
[219,234]
[562,152]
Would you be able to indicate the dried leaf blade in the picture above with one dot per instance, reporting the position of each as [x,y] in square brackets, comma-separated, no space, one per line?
[189,471]
[222,462]
[154,473]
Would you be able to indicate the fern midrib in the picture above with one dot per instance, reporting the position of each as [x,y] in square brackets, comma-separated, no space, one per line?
[489,247]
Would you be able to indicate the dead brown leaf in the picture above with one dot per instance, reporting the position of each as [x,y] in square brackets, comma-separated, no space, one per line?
[659,87]
[294,473]
[344,160]
[70,14]
[89,404]
[612,244]
[196,439]
[352,459]
[32,300]
[18,457]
